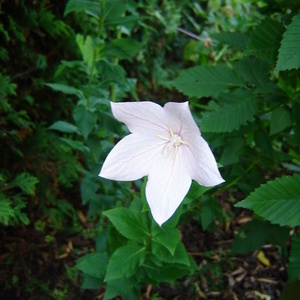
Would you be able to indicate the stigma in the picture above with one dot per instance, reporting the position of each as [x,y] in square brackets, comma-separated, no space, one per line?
[174,140]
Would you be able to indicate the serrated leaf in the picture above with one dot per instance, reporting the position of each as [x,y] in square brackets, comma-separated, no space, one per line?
[280,120]
[128,222]
[93,264]
[294,260]
[124,261]
[257,233]
[255,71]
[265,40]
[231,116]
[63,126]
[204,81]
[169,272]
[119,287]
[236,40]
[289,51]
[180,255]
[66,89]
[277,201]
[166,236]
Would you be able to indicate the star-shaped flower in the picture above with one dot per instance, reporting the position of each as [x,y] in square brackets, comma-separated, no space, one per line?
[165,144]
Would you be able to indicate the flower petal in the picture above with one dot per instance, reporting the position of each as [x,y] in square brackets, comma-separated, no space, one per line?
[167,185]
[141,117]
[132,157]
[183,119]
[200,162]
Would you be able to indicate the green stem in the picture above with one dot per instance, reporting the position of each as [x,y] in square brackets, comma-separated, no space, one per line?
[116,62]
[92,74]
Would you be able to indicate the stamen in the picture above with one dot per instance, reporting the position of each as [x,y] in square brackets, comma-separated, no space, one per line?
[174,140]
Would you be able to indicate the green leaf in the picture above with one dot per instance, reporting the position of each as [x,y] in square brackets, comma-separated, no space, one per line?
[255,71]
[289,52]
[167,236]
[180,255]
[294,260]
[129,222]
[235,39]
[65,127]
[265,40]
[85,119]
[66,89]
[93,264]
[90,282]
[232,115]
[119,287]
[280,120]
[257,233]
[124,261]
[232,150]
[195,192]
[91,7]
[86,47]
[168,272]
[6,211]
[277,201]
[122,48]
[25,182]
[204,81]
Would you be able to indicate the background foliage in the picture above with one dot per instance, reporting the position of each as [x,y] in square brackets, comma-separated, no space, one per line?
[64,61]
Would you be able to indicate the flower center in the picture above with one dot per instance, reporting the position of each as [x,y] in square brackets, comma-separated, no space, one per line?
[174,140]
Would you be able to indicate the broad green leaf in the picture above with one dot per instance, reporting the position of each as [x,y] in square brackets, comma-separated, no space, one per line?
[232,150]
[168,272]
[65,127]
[166,236]
[289,52]
[280,120]
[86,48]
[208,212]
[93,264]
[119,287]
[294,260]
[265,40]
[124,261]
[277,201]
[235,39]
[204,81]
[85,119]
[88,188]
[76,145]
[128,222]
[122,48]
[90,282]
[66,89]
[195,192]
[255,71]
[257,233]
[91,7]
[180,255]
[231,116]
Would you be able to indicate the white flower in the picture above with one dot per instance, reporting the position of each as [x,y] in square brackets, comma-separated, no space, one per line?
[165,144]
